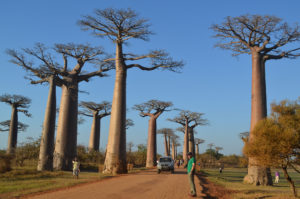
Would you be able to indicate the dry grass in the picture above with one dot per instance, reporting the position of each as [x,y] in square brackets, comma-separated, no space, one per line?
[26,180]
[233,179]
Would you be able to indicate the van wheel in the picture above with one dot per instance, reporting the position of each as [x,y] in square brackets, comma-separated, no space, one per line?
[172,171]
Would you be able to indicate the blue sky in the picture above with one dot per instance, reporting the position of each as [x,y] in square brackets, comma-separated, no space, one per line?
[212,81]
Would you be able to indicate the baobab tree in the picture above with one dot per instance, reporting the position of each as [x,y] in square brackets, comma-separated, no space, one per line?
[264,38]
[97,112]
[129,123]
[189,120]
[121,25]
[66,138]
[174,139]
[152,109]
[18,103]
[166,132]
[46,72]
[6,126]
[197,142]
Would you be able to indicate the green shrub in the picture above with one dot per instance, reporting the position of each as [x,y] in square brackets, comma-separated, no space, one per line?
[5,163]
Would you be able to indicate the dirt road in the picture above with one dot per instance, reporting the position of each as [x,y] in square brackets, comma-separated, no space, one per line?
[144,185]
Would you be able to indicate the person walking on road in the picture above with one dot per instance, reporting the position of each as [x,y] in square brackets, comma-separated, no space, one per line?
[191,172]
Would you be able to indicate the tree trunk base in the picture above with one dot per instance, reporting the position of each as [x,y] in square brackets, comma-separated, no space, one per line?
[115,168]
[62,163]
[45,164]
[258,176]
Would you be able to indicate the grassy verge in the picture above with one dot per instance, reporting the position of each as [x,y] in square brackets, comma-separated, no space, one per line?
[24,181]
[233,179]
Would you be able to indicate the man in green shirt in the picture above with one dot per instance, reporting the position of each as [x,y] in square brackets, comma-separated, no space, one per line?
[191,171]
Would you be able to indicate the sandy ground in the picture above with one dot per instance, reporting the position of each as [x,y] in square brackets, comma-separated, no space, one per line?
[144,185]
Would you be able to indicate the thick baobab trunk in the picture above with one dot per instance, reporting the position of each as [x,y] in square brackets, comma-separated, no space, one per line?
[173,151]
[289,179]
[185,144]
[257,175]
[95,134]
[66,139]
[169,145]
[191,141]
[197,149]
[115,161]
[151,146]
[47,140]
[166,145]
[13,131]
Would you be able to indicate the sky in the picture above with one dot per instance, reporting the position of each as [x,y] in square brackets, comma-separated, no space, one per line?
[212,81]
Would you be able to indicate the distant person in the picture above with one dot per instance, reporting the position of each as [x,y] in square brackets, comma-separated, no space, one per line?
[191,172]
[276,177]
[76,169]
[178,163]
[221,169]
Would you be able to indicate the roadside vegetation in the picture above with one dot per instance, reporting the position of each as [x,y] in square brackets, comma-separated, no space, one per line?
[232,179]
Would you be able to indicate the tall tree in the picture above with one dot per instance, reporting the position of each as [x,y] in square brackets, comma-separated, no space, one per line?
[18,103]
[66,138]
[197,142]
[121,25]
[166,132]
[174,139]
[264,38]
[189,120]
[46,72]
[97,112]
[152,109]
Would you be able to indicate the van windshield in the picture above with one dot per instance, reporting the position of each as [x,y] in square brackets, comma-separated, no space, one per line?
[165,160]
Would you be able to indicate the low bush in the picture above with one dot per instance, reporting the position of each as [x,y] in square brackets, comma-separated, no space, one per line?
[5,163]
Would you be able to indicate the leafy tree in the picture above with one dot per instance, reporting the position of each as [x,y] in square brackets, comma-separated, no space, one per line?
[152,109]
[120,26]
[277,141]
[264,38]
[28,150]
[97,112]
[18,103]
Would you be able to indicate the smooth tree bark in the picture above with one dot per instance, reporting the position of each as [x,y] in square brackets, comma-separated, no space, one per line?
[18,103]
[66,138]
[174,138]
[152,109]
[97,112]
[197,142]
[264,38]
[166,132]
[47,72]
[121,25]
[189,120]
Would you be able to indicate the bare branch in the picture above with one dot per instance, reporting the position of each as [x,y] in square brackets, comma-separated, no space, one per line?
[118,25]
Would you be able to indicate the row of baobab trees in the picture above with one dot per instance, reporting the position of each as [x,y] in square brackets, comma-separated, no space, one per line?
[153,109]
[263,37]
[117,25]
